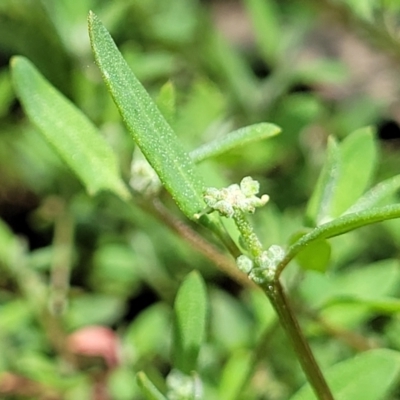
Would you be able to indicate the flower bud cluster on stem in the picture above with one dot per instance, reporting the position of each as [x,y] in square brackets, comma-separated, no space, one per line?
[235,202]
[261,266]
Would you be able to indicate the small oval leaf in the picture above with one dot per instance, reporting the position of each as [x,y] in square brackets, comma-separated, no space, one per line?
[190,321]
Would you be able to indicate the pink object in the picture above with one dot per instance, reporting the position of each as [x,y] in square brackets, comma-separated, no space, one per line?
[96,341]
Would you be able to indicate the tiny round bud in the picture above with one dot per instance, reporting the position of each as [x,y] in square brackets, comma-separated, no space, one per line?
[244,263]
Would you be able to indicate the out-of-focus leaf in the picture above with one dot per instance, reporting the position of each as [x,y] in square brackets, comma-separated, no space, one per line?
[381,306]
[122,385]
[346,174]
[320,201]
[94,310]
[234,375]
[358,161]
[148,388]
[314,257]
[72,135]
[231,325]
[326,71]
[267,27]
[146,335]
[234,139]
[166,101]
[190,321]
[144,121]
[6,92]
[376,194]
[349,298]
[232,68]
[115,270]
[9,245]
[368,376]
[205,104]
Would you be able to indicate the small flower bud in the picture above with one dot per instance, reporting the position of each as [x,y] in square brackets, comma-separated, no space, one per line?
[235,198]
[244,263]
[144,179]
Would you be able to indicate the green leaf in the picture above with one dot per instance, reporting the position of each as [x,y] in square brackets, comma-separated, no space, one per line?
[346,174]
[148,388]
[146,335]
[144,121]
[368,376]
[319,204]
[339,226]
[166,101]
[381,306]
[235,139]
[267,27]
[358,160]
[190,322]
[315,256]
[232,68]
[72,135]
[376,194]
[235,375]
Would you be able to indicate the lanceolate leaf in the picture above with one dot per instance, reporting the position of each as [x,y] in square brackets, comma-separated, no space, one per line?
[70,132]
[368,376]
[190,322]
[235,139]
[376,194]
[144,121]
[339,226]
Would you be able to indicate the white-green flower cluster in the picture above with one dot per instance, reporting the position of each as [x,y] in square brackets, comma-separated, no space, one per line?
[235,198]
[184,387]
[263,269]
[144,179]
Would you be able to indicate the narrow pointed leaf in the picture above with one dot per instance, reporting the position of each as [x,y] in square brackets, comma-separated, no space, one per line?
[368,376]
[376,194]
[338,226]
[319,205]
[235,139]
[190,322]
[68,130]
[146,124]
[148,388]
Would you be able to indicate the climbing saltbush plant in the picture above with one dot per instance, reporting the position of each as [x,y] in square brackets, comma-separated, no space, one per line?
[169,185]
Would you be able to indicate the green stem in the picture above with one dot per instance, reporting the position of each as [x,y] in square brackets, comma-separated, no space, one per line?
[250,238]
[280,302]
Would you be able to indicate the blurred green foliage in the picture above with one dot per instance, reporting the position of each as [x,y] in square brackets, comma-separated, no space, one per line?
[68,260]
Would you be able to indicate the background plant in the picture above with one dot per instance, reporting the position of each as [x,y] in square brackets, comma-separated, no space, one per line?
[110,250]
